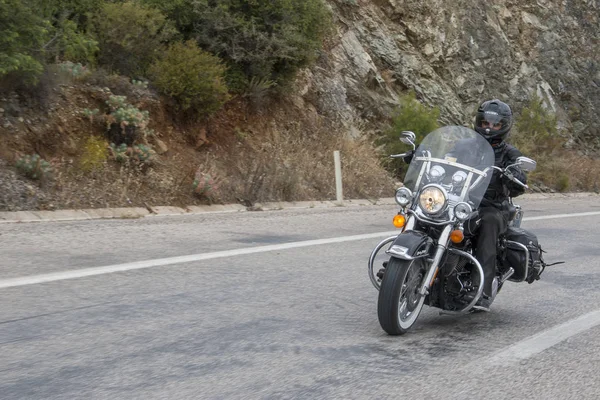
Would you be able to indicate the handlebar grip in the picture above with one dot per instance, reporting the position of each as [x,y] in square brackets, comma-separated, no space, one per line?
[519,182]
[399,155]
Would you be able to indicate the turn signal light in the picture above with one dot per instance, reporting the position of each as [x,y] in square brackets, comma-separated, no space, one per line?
[457,236]
[399,221]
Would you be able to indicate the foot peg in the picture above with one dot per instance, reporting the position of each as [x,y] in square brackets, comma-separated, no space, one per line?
[507,275]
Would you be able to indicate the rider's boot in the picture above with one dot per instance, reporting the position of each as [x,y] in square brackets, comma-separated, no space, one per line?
[485,301]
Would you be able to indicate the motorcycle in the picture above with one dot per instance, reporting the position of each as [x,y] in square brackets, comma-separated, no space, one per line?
[431,261]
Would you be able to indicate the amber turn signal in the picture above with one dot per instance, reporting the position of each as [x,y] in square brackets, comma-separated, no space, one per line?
[399,221]
[457,236]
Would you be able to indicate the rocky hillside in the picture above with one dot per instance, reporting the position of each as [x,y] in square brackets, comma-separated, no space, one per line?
[454,54]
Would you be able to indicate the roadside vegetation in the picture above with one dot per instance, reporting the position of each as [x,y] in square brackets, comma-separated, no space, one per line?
[113,100]
[92,116]
[536,135]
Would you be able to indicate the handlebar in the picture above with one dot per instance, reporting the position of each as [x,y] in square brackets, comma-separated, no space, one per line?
[399,155]
[510,176]
[503,172]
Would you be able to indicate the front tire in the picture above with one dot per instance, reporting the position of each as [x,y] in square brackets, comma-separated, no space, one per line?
[400,302]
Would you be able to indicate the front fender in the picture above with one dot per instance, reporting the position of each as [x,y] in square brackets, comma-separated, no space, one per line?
[410,245]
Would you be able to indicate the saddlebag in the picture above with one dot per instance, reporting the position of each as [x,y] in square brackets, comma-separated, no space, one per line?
[524,254]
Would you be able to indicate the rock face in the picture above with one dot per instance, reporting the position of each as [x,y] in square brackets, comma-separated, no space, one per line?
[456,54]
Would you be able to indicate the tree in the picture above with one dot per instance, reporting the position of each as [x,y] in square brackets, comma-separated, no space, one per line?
[193,77]
[23,34]
[130,36]
[264,39]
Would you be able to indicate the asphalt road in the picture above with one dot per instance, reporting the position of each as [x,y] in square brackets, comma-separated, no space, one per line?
[281,323]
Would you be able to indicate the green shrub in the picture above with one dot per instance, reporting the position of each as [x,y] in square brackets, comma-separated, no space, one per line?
[66,29]
[411,116]
[130,36]
[536,132]
[22,36]
[75,45]
[138,154]
[563,182]
[125,114]
[192,77]
[34,167]
[75,10]
[268,39]
[142,84]
[205,185]
[95,152]
[90,114]
[119,153]
[74,70]
[141,154]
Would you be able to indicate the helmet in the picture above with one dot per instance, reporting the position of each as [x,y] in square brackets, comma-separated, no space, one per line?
[493,120]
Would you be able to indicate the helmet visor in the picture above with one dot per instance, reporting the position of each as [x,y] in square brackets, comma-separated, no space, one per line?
[491,120]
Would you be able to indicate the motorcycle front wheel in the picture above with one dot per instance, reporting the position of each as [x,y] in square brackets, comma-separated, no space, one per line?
[400,302]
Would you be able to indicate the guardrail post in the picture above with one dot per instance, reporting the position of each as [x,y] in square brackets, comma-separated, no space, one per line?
[338,177]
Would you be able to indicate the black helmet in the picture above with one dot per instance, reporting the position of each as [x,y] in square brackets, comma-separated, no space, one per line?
[494,120]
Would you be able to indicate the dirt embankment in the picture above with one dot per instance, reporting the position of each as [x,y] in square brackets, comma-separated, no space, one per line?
[246,153]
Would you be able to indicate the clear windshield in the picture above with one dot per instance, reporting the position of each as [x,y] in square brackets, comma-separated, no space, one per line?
[455,158]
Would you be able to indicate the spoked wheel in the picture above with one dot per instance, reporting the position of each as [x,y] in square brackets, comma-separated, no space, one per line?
[400,302]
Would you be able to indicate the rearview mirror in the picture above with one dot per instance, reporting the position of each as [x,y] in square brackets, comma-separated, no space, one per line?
[527,164]
[408,137]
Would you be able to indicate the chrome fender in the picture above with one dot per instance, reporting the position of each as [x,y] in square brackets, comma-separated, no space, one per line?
[408,245]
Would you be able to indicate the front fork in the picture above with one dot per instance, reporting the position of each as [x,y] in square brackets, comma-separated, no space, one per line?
[442,246]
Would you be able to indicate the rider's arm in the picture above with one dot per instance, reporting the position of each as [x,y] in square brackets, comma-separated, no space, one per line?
[514,188]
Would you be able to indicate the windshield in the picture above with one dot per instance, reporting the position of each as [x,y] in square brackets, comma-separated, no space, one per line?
[455,158]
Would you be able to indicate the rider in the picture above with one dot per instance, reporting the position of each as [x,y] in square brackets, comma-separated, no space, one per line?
[493,121]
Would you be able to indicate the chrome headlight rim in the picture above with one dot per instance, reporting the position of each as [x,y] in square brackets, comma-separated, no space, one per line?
[462,215]
[459,178]
[406,198]
[444,204]
[437,174]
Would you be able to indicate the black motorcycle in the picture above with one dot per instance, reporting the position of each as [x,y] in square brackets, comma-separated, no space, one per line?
[431,261]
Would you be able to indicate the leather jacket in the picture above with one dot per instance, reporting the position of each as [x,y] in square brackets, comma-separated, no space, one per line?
[500,187]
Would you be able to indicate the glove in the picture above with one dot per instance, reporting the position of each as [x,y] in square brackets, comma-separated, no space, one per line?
[408,158]
[514,188]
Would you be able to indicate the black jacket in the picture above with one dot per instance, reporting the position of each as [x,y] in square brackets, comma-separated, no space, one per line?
[500,187]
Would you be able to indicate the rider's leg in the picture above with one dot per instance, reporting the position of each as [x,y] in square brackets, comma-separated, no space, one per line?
[492,224]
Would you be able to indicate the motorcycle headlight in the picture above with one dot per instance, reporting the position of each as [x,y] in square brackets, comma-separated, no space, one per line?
[403,196]
[437,174]
[462,211]
[432,199]
[459,178]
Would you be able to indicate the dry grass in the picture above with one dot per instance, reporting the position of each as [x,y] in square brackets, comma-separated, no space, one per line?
[288,165]
[280,154]
[568,172]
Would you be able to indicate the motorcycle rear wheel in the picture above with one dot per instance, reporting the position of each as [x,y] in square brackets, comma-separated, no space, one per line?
[400,302]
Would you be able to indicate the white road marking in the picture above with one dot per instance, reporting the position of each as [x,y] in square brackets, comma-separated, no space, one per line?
[557,216]
[544,340]
[80,273]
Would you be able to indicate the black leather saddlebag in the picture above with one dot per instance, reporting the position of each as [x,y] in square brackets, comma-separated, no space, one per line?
[528,265]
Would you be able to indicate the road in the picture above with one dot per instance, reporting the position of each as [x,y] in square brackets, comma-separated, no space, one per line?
[269,322]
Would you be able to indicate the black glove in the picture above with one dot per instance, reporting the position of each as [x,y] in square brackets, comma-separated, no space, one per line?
[409,156]
[514,188]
